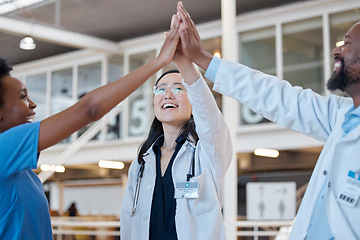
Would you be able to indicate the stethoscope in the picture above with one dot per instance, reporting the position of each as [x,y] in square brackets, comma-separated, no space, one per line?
[140,175]
[137,188]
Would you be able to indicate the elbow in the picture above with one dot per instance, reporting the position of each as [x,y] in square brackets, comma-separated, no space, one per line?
[94,114]
[92,110]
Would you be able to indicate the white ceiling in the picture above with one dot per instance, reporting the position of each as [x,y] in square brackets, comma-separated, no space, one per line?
[102,23]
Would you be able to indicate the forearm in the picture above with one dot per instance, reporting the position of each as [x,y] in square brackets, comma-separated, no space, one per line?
[210,126]
[97,103]
[93,106]
[188,71]
[203,60]
[292,107]
[103,99]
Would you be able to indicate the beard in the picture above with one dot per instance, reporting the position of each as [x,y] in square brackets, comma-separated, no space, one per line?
[344,78]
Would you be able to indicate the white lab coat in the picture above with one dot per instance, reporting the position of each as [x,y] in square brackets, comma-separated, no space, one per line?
[319,117]
[199,218]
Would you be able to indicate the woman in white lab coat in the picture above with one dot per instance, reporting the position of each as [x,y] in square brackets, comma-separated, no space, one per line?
[174,188]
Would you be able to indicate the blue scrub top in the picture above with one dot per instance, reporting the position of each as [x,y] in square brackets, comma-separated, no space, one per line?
[24,209]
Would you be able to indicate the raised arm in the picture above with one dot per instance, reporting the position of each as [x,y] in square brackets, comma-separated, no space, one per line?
[211,128]
[210,124]
[98,102]
[186,67]
[191,45]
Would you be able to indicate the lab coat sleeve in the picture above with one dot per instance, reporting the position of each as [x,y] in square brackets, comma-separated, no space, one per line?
[211,127]
[126,208]
[292,107]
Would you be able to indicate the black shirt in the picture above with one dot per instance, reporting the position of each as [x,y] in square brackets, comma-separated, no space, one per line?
[162,217]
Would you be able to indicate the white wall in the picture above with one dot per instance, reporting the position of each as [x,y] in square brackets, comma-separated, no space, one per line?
[90,199]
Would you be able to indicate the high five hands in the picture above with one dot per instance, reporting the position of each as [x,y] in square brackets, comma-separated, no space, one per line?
[190,45]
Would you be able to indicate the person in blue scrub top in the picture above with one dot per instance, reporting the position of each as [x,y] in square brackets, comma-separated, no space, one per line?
[175,186]
[330,208]
[24,210]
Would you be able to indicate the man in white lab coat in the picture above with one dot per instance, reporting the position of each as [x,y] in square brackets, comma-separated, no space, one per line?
[330,208]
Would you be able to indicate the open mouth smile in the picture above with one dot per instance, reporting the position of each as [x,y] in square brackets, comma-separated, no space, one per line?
[169,106]
[30,118]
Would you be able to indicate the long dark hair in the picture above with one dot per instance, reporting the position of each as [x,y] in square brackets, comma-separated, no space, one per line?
[156,129]
[5,70]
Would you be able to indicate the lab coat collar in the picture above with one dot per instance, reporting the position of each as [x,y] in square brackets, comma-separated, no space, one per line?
[149,155]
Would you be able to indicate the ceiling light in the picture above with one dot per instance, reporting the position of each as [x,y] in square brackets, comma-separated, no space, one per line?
[52,168]
[217,54]
[339,43]
[27,43]
[266,152]
[45,167]
[111,164]
[59,169]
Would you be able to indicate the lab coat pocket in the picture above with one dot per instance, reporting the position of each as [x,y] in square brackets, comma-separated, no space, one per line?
[207,200]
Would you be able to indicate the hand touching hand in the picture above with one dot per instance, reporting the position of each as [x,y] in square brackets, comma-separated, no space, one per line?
[170,43]
[178,57]
[191,45]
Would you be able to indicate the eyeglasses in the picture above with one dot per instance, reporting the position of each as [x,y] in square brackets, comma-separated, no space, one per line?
[176,89]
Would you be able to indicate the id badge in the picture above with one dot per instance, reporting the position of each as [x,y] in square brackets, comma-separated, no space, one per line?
[351,191]
[187,190]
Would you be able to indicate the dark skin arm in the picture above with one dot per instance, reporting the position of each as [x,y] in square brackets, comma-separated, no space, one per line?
[100,101]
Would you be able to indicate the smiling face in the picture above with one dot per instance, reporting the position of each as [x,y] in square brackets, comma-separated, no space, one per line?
[347,62]
[17,107]
[171,102]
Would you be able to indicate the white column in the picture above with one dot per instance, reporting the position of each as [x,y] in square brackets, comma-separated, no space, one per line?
[327,49]
[279,50]
[124,179]
[61,198]
[230,109]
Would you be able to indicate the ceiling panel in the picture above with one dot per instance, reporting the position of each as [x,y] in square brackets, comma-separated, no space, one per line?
[113,20]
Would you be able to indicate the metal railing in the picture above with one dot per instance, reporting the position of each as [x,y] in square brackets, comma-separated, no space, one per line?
[84,226]
[81,141]
[277,229]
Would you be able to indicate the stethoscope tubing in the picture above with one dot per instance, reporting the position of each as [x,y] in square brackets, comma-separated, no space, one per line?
[140,175]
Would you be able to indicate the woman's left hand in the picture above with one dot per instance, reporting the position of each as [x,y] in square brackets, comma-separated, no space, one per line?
[171,42]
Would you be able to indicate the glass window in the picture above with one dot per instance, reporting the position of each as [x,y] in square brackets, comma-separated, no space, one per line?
[89,78]
[340,23]
[140,101]
[303,54]
[36,86]
[115,71]
[257,50]
[61,93]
